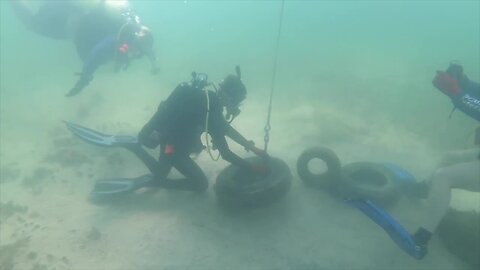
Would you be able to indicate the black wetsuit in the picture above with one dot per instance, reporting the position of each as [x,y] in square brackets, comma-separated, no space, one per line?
[180,121]
[52,19]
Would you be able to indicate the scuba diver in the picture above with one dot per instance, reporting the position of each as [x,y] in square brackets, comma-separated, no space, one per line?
[460,169]
[177,126]
[108,31]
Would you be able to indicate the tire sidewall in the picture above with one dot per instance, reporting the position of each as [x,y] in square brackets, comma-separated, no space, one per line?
[231,192]
[323,180]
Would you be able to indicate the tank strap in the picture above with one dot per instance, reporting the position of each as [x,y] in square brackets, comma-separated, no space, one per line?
[207,137]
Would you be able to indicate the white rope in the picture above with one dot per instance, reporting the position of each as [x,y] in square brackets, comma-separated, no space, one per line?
[274,76]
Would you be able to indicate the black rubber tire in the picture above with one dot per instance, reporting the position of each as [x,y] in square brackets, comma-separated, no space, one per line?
[236,188]
[459,231]
[372,181]
[322,180]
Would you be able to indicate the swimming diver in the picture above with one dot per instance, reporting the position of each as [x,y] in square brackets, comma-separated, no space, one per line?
[107,31]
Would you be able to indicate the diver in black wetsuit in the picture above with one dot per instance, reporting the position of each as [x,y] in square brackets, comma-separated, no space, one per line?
[178,124]
[98,35]
[189,111]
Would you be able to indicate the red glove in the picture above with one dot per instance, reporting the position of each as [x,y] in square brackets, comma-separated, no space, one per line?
[260,169]
[447,84]
[169,149]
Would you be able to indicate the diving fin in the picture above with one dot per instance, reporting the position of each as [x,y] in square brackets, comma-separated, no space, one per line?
[118,186]
[396,231]
[98,138]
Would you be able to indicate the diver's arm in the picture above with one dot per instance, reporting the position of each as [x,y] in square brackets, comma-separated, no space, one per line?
[249,145]
[219,128]
[237,137]
[222,146]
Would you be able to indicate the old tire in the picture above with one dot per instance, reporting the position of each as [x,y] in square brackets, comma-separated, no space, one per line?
[459,231]
[320,180]
[237,188]
[371,181]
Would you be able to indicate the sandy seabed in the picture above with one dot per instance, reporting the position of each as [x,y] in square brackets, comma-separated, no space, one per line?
[47,221]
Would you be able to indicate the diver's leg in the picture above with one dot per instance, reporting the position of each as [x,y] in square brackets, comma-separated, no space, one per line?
[159,169]
[460,156]
[462,175]
[195,178]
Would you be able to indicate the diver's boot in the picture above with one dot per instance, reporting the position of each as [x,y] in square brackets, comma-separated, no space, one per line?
[421,238]
[418,190]
[73,92]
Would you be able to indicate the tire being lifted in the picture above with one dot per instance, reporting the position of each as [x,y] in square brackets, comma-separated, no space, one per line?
[321,180]
[237,188]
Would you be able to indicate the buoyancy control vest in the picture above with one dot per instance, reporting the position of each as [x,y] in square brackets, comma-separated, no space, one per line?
[152,133]
[464,93]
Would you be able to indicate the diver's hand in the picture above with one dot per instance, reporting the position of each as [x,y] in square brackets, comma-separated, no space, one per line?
[259,152]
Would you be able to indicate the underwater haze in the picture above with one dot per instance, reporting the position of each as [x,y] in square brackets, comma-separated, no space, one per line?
[353,76]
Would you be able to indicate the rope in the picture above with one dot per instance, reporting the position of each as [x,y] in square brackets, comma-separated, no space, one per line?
[268,127]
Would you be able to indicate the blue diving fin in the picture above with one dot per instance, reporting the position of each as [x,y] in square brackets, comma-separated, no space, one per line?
[396,231]
[98,138]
